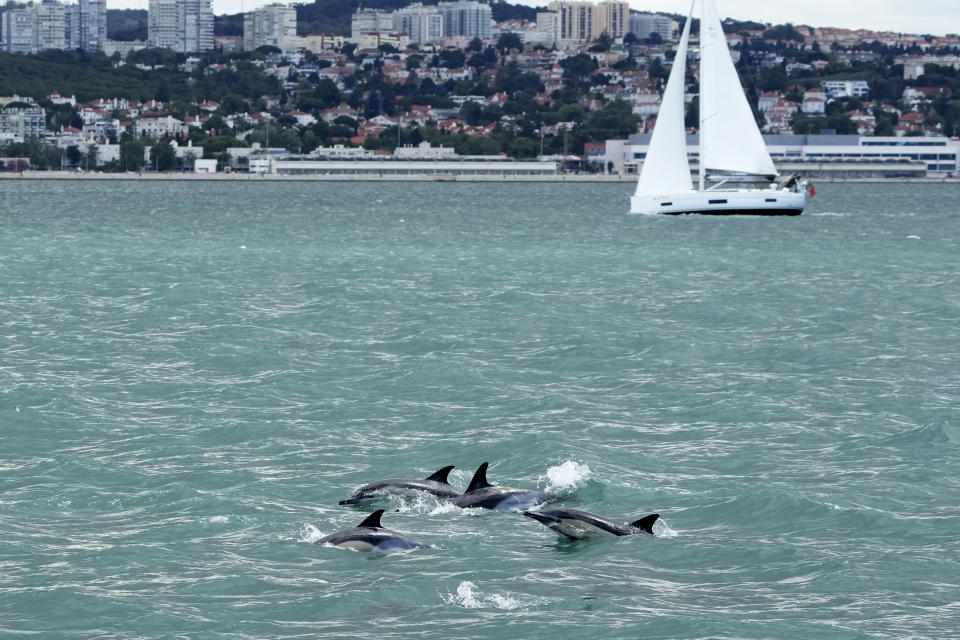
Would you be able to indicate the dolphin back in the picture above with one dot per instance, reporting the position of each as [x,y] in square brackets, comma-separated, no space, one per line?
[479,479]
[645,524]
[440,475]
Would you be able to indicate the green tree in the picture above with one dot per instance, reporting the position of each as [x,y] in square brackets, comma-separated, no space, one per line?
[74,155]
[162,156]
[614,120]
[472,113]
[509,40]
[131,154]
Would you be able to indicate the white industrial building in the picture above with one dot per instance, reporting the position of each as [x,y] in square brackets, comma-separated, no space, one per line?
[822,155]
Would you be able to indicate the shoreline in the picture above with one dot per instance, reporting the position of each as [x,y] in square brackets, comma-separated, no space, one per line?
[250,177]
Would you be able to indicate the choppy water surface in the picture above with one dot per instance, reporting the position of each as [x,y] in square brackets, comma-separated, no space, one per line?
[192,375]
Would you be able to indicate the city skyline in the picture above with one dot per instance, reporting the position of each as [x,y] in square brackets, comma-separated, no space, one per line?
[938,17]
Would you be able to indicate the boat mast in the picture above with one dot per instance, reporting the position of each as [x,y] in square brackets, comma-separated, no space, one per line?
[701,165]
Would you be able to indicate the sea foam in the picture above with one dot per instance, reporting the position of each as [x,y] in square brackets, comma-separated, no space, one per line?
[468,597]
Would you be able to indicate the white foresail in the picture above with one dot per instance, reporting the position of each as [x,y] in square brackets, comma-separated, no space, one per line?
[729,137]
[666,168]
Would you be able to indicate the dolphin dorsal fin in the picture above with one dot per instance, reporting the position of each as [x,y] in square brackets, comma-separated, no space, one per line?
[440,475]
[646,524]
[479,479]
[373,520]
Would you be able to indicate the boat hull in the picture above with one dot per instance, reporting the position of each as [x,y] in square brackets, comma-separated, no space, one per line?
[739,202]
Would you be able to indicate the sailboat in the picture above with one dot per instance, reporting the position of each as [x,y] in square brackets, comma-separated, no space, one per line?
[737,175]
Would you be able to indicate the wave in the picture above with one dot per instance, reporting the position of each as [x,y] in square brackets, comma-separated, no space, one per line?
[564,479]
[468,597]
[309,533]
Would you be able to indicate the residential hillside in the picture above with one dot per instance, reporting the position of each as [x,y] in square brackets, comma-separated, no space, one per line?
[513,93]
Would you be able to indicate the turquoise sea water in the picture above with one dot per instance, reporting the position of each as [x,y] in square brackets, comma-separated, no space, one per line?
[192,375]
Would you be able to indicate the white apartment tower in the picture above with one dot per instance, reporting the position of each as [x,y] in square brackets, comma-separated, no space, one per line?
[185,26]
[87,25]
[50,25]
[467,18]
[274,25]
[422,24]
[366,22]
[643,25]
[548,23]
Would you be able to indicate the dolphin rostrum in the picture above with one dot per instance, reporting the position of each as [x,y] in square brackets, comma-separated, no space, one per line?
[580,524]
[369,535]
[435,484]
[482,494]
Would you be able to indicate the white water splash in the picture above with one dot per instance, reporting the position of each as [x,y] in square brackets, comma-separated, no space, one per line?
[662,530]
[566,477]
[468,597]
[309,533]
[219,520]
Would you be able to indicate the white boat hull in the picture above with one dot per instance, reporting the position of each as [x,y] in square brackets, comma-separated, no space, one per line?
[722,202]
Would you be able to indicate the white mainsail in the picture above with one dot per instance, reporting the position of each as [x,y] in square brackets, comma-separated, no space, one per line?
[666,168]
[730,139]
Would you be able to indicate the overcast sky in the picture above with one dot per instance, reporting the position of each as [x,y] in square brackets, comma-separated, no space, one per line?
[917,16]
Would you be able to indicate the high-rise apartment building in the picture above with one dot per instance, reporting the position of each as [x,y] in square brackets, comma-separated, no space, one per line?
[467,18]
[51,25]
[576,19]
[643,25]
[274,25]
[548,23]
[87,25]
[17,28]
[611,18]
[422,24]
[580,21]
[365,22]
[185,26]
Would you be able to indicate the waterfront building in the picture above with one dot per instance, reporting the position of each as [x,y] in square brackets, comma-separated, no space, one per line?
[643,25]
[184,26]
[423,24]
[813,156]
[467,18]
[159,127]
[393,167]
[274,25]
[20,121]
[366,22]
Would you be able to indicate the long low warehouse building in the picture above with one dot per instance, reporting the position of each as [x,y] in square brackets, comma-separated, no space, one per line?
[388,167]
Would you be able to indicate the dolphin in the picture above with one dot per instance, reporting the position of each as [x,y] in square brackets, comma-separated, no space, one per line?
[580,524]
[369,535]
[482,494]
[435,484]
